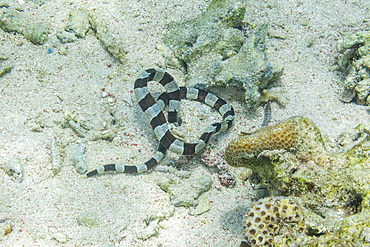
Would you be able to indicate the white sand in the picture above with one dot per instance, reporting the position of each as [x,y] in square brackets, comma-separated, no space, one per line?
[42,88]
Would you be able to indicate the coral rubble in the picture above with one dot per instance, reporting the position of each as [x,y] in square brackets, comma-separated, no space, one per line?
[216,52]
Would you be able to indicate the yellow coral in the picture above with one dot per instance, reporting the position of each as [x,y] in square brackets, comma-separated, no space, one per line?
[284,135]
[265,217]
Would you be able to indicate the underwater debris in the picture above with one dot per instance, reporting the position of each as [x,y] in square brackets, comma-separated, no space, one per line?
[79,23]
[107,39]
[37,32]
[66,37]
[95,127]
[202,207]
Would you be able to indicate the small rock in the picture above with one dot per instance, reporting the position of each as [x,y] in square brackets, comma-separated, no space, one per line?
[60,237]
[185,192]
[14,168]
[37,33]
[6,227]
[66,37]
[363,90]
[107,39]
[150,231]
[202,207]
[88,219]
[76,152]
[78,22]
[12,21]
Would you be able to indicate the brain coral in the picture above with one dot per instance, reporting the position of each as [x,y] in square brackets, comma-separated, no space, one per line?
[265,217]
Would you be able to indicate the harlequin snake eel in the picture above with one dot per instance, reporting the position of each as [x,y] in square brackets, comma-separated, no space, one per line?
[153,111]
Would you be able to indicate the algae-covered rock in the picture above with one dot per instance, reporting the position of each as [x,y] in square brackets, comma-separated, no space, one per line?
[107,39]
[78,22]
[350,231]
[33,30]
[37,33]
[354,63]
[76,155]
[332,187]
[12,21]
[217,53]
[66,37]
[290,158]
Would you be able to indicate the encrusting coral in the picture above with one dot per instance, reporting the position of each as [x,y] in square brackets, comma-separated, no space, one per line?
[283,135]
[288,134]
[261,149]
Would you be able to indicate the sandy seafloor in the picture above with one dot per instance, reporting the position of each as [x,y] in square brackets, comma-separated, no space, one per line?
[44,87]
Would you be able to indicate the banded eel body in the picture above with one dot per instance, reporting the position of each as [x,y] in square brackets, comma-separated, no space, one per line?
[153,111]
